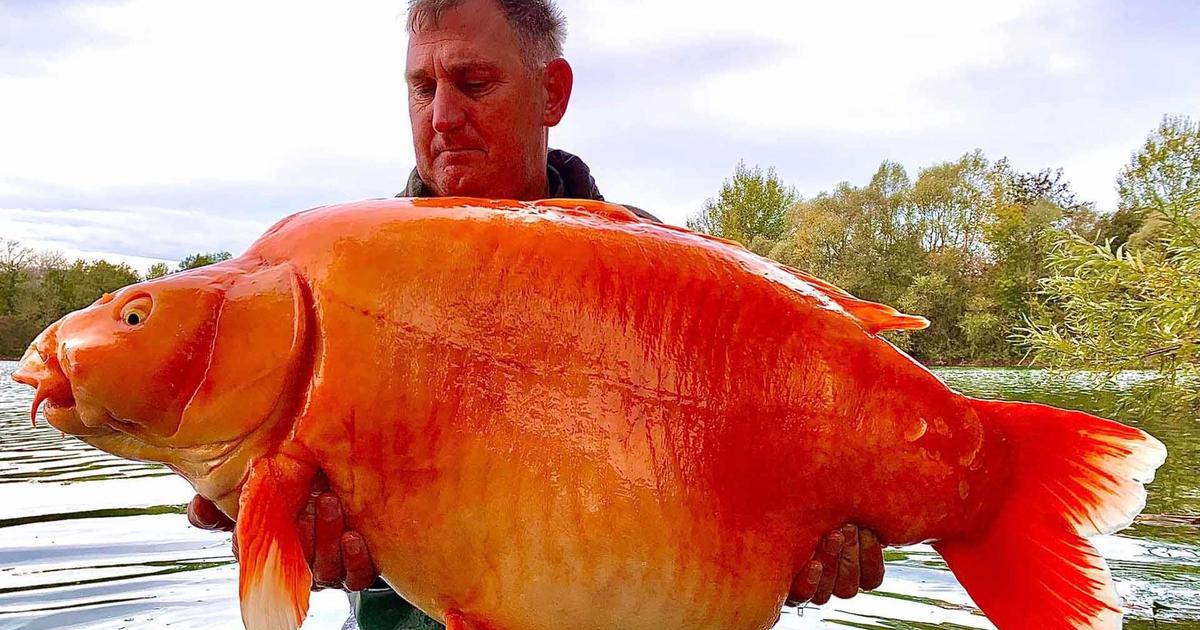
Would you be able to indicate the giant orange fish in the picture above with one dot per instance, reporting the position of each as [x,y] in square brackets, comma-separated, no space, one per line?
[555,415]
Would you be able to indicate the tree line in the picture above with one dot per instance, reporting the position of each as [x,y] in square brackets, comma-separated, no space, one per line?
[37,288]
[1005,264]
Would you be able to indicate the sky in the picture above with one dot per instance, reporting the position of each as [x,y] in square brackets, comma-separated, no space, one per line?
[143,131]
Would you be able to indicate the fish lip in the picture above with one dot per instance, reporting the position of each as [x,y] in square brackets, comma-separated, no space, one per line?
[29,367]
[24,378]
[40,369]
[66,418]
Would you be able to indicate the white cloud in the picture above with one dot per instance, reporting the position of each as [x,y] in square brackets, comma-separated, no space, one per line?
[221,115]
[214,90]
[856,66]
[138,237]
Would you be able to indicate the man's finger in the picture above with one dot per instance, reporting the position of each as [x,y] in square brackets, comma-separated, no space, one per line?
[871,553]
[846,584]
[828,554]
[306,526]
[205,514]
[360,571]
[804,583]
[327,545]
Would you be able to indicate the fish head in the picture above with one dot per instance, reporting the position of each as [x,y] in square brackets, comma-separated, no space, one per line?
[168,368]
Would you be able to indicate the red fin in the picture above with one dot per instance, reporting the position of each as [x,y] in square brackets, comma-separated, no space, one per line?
[587,207]
[457,620]
[874,317]
[275,578]
[1075,475]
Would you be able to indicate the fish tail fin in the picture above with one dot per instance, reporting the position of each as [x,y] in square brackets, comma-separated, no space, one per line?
[275,579]
[1075,475]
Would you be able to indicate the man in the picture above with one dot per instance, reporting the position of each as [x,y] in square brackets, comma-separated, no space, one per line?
[486,83]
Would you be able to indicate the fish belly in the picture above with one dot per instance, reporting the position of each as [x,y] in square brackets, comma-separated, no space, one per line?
[525,545]
[558,426]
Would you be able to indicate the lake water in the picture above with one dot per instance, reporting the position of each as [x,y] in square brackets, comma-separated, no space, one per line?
[89,541]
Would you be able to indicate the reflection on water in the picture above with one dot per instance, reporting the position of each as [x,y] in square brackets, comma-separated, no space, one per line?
[91,541]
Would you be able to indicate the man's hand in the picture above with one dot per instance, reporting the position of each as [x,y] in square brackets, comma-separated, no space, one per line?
[845,560]
[204,514]
[339,559]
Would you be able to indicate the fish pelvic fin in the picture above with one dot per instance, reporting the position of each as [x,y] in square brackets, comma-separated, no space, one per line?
[274,578]
[1075,475]
[457,620]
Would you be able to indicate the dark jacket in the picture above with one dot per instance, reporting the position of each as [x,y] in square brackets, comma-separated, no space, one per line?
[566,174]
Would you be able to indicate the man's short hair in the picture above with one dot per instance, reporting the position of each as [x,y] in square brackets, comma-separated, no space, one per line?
[540,26]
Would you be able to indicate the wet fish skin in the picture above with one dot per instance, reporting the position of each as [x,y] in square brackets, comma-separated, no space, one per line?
[555,415]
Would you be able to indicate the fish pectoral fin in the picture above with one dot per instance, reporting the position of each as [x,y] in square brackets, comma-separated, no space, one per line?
[274,579]
[456,620]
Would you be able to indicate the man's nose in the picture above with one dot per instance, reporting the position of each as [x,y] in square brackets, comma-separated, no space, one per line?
[448,111]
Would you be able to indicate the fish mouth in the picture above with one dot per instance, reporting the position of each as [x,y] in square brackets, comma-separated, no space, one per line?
[39,369]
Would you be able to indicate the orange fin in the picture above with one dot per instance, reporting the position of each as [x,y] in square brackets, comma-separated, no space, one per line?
[873,316]
[456,620]
[275,578]
[591,208]
[1075,475]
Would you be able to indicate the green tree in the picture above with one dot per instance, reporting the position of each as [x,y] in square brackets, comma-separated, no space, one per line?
[1166,167]
[1134,306]
[1117,308]
[1118,227]
[965,246]
[751,208]
[14,271]
[77,285]
[157,270]
[951,201]
[203,259]
[1158,175]
[1027,213]
[951,205]
[38,288]
[862,239]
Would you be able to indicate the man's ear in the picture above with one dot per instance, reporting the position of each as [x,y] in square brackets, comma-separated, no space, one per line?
[259,343]
[559,79]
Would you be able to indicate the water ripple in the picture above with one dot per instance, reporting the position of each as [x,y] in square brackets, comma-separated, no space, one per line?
[90,541]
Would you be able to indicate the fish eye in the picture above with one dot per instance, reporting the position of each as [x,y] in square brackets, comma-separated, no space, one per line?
[136,311]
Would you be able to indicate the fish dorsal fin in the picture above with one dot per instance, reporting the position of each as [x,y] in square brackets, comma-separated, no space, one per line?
[591,208]
[874,317]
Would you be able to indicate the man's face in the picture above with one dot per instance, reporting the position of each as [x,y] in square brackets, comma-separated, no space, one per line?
[478,112]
